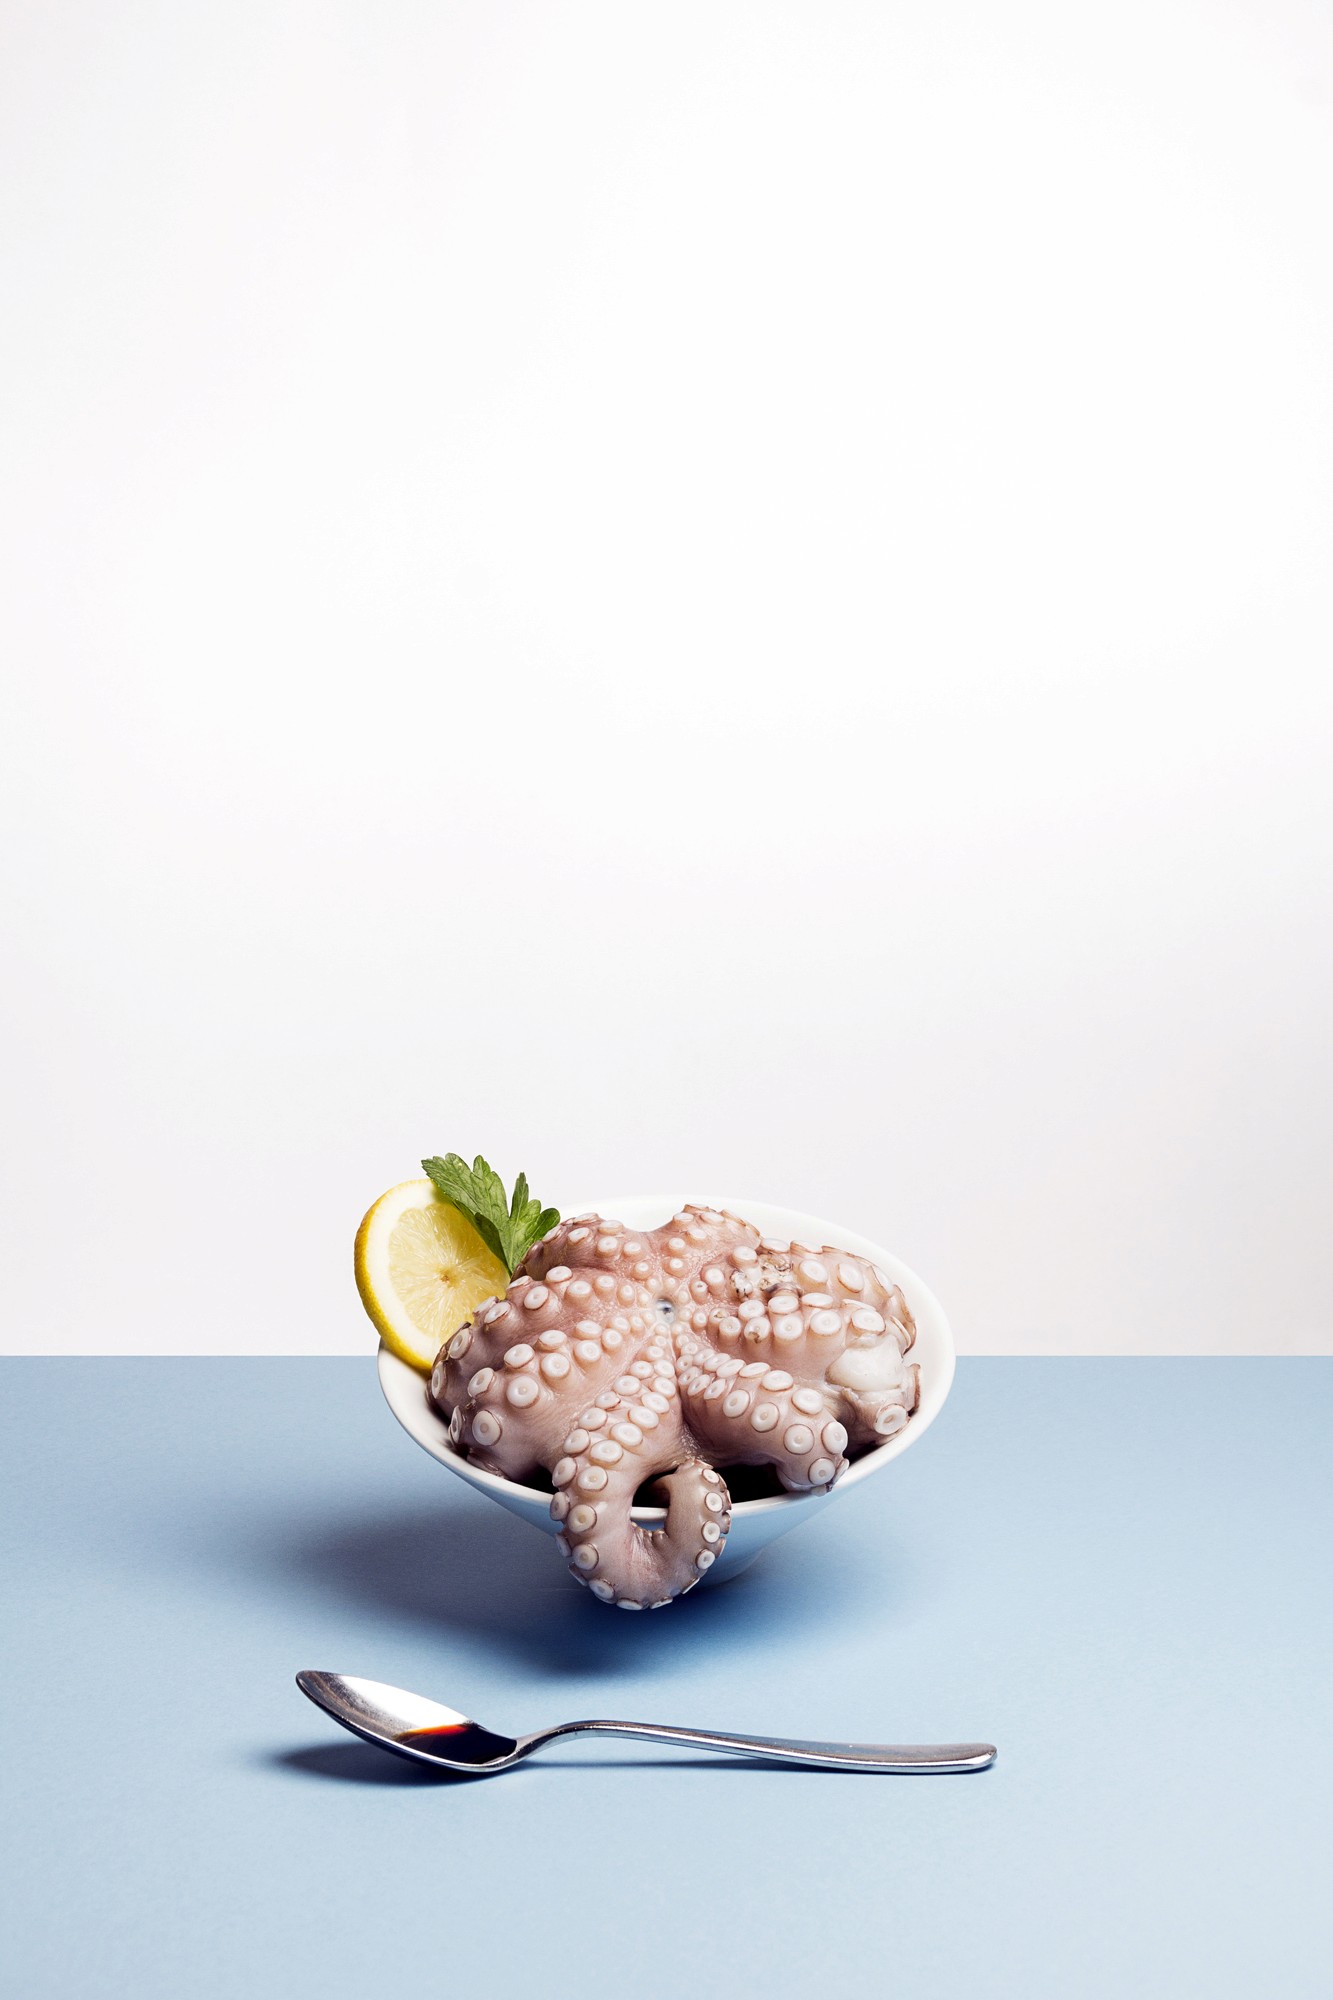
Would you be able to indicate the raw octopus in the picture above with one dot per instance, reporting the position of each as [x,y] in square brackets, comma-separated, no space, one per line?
[619,1357]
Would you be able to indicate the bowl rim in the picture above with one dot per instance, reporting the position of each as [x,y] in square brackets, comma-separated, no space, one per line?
[429,1431]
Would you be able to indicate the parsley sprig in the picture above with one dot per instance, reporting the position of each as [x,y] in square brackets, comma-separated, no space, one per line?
[508,1227]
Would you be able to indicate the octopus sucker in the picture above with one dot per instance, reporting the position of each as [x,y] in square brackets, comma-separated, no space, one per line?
[622,1358]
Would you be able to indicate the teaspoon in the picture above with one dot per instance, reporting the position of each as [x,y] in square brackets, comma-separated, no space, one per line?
[411,1726]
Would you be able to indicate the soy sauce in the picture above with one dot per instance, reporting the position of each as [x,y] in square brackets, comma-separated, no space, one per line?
[460,1742]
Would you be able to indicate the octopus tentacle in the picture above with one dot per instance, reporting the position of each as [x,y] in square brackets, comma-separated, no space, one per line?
[759,1416]
[637,1568]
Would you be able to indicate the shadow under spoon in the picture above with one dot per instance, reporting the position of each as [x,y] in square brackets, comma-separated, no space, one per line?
[428,1733]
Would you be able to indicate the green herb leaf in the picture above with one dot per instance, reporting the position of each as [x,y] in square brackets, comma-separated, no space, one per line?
[507,1228]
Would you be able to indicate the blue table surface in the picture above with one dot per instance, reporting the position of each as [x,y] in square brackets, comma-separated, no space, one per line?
[1116,1570]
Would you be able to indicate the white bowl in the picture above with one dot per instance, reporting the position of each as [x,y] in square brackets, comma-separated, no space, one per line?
[754,1523]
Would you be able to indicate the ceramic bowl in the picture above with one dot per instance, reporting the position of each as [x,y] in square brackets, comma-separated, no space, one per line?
[754,1523]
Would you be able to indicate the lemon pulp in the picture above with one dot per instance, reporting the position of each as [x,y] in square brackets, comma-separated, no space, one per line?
[422,1271]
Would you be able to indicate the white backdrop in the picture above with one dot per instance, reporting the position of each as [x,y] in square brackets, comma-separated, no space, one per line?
[690,597]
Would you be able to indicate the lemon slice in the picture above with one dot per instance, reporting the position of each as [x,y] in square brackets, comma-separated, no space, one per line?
[422,1271]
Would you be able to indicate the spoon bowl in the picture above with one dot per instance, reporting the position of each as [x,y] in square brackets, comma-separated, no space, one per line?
[408,1724]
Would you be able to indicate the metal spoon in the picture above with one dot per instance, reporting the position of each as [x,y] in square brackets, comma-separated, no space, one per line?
[411,1726]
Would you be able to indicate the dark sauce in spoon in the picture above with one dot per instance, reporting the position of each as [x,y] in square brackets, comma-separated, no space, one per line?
[460,1742]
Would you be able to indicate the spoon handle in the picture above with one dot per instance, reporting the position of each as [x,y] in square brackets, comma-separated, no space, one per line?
[903,1758]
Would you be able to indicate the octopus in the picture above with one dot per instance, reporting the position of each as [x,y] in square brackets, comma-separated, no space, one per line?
[622,1359]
